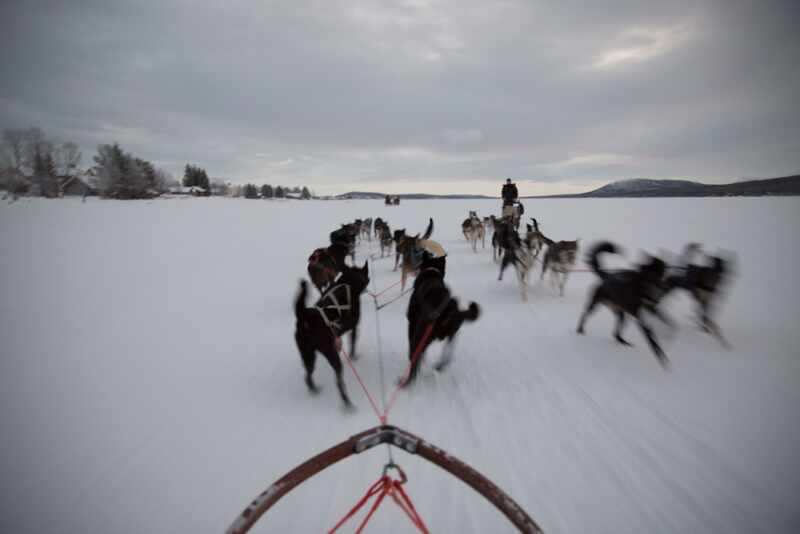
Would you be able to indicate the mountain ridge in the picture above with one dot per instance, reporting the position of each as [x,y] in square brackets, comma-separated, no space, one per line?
[633,188]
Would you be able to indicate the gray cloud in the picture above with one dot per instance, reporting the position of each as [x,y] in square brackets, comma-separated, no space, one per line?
[424,93]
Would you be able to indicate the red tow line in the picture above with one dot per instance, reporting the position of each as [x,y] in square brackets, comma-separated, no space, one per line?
[384,486]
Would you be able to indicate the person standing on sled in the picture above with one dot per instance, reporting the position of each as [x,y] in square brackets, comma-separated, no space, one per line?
[510,197]
[510,193]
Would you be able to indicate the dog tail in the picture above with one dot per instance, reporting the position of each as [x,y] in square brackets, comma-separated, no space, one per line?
[300,301]
[429,231]
[594,253]
[472,312]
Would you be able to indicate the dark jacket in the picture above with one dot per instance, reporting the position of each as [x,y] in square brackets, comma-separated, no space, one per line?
[510,193]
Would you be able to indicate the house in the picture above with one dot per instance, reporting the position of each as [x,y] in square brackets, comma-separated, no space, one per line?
[189,191]
[74,186]
[14,182]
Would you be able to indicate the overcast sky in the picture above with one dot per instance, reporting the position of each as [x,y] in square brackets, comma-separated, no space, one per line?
[416,95]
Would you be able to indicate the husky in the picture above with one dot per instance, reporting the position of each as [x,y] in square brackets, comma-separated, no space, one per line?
[411,250]
[473,230]
[560,258]
[704,283]
[534,239]
[515,253]
[319,328]
[398,237]
[378,222]
[503,232]
[346,236]
[432,306]
[628,293]
[384,235]
[366,229]
[325,264]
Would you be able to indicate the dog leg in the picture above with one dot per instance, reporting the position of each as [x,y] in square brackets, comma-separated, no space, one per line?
[591,305]
[353,336]
[656,348]
[710,325]
[523,283]
[309,356]
[618,328]
[563,282]
[447,354]
[663,317]
[716,332]
[336,362]
[415,346]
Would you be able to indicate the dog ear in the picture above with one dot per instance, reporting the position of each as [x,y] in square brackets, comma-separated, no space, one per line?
[365,268]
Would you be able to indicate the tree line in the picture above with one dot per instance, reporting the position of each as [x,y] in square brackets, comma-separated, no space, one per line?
[267,191]
[33,164]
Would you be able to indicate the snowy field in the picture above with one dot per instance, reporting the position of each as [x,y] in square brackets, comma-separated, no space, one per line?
[149,380]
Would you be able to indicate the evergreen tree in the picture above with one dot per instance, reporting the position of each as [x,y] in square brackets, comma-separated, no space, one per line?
[279,192]
[266,191]
[306,194]
[250,191]
[120,175]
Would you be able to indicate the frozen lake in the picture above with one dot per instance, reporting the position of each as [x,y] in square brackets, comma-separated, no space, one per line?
[149,380]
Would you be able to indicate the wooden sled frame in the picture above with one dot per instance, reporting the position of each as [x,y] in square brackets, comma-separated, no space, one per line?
[366,440]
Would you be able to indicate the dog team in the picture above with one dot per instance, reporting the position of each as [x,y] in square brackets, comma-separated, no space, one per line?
[433,313]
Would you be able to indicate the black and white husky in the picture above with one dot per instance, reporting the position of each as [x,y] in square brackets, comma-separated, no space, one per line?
[474,230]
[560,259]
[515,253]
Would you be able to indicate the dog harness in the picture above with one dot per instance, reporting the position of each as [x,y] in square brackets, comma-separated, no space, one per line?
[333,306]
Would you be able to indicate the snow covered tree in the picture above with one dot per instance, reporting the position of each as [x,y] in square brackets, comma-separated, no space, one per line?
[164,180]
[67,157]
[195,177]
[250,191]
[219,187]
[13,150]
[120,175]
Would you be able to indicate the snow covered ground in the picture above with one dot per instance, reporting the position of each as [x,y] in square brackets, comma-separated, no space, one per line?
[149,380]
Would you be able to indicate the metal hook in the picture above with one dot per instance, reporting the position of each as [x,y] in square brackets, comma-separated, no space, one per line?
[392,465]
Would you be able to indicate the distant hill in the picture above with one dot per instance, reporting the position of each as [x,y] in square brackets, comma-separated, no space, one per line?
[636,187]
[643,187]
[368,195]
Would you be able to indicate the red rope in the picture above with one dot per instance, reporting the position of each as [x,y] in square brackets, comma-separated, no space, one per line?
[404,502]
[383,487]
[387,485]
[414,358]
[375,488]
[375,408]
